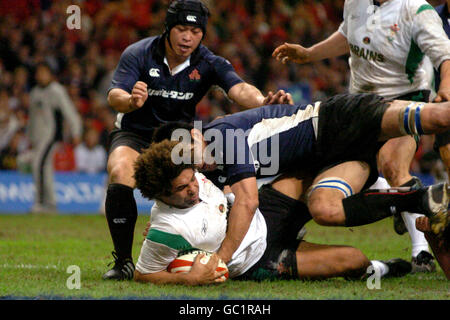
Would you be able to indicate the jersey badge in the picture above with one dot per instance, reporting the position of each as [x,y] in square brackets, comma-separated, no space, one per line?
[194,75]
[204,227]
[222,208]
[153,72]
[394,29]
[366,40]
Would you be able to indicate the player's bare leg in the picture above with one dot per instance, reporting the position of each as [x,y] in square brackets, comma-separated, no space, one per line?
[334,199]
[120,166]
[394,160]
[318,261]
[121,210]
[331,187]
[405,118]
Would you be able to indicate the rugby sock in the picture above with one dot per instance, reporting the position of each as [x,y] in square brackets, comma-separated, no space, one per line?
[121,214]
[372,205]
[380,268]
[418,241]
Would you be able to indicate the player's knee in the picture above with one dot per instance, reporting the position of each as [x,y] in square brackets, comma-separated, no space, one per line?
[121,171]
[440,116]
[325,212]
[393,172]
[353,261]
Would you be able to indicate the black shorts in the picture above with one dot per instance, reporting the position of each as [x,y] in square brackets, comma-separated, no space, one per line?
[119,137]
[348,130]
[285,217]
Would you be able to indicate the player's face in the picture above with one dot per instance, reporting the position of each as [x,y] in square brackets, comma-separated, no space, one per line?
[43,76]
[185,39]
[184,193]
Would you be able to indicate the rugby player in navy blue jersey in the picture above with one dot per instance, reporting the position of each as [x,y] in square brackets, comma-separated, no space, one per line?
[335,142]
[161,79]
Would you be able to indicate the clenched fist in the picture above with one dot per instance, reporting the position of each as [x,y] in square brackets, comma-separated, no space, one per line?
[139,95]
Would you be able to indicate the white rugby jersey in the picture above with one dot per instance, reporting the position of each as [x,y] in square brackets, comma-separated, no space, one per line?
[388,44]
[202,226]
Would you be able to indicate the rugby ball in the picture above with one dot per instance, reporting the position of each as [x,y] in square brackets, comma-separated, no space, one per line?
[183,263]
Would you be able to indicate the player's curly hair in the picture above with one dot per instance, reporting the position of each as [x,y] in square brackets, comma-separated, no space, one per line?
[154,169]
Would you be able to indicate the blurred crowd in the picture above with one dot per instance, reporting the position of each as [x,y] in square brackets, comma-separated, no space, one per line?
[245,32]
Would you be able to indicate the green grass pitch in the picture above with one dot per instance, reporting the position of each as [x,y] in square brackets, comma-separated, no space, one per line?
[36,252]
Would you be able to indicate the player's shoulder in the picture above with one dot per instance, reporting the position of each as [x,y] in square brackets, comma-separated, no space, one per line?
[416,7]
[164,217]
[351,6]
[210,57]
[56,87]
[141,47]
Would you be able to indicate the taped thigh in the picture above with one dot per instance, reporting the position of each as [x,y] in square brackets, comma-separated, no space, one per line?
[409,119]
[332,183]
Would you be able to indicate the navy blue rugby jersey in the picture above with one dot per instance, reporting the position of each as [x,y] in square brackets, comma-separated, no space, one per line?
[262,142]
[170,97]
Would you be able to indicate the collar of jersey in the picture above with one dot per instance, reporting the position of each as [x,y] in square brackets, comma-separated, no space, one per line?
[179,67]
[166,208]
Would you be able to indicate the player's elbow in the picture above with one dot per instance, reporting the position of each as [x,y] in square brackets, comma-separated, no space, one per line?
[141,277]
[138,277]
[109,98]
[252,205]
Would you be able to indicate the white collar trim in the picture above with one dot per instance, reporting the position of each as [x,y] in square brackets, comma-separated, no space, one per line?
[179,67]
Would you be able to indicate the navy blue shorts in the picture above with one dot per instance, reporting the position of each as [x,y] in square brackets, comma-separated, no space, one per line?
[119,137]
[285,217]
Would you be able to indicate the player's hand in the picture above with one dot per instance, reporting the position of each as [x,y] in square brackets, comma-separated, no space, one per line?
[281,97]
[139,95]
[423,224]
[206,273]
[292,52]
[443,95]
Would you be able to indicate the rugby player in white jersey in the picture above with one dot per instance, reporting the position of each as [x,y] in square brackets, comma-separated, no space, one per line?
[191,212]
[387,41]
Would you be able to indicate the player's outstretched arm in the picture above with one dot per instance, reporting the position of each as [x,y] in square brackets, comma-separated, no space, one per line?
[249,96]
[335,45]
[240,216]
[443,93]
[200,274]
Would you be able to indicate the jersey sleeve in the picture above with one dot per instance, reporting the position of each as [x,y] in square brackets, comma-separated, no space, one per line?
[225,74]
[428,33]
[69,111]
[127,72]
[154,257]
[239,161]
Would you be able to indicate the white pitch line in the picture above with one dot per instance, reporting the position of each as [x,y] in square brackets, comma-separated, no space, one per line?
[28,266]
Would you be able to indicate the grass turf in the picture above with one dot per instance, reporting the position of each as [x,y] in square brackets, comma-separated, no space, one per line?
[35,252]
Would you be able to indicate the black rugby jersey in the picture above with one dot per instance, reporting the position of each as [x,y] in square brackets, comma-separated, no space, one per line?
[262,142]
[170,97]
